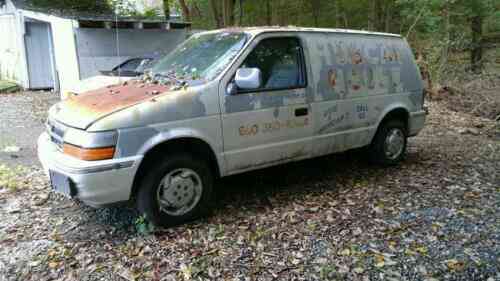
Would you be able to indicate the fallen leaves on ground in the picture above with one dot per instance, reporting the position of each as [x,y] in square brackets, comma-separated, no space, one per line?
[433,217]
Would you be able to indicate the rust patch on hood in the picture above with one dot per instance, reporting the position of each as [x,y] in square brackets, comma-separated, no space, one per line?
[116,97]
[96,104]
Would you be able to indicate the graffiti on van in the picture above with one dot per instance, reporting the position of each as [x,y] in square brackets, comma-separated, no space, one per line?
[335,122]
[340,57]
[329,112]
[362,111]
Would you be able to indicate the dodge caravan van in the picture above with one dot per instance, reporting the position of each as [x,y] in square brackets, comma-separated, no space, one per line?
[230,101]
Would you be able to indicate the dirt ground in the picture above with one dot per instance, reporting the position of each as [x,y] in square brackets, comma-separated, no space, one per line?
[22,118]
[436,216]
[474,95]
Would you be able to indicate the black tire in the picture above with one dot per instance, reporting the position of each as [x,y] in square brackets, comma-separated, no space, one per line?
[377,149]
[147,203]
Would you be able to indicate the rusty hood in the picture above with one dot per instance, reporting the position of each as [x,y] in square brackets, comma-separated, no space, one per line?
[83,110]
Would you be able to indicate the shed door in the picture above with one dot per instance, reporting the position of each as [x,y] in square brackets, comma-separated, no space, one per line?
[39,55]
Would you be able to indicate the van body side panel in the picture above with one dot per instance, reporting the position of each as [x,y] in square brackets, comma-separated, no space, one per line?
[356,78]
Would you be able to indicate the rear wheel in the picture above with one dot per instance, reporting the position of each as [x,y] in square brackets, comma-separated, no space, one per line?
[176,191]
[389,144]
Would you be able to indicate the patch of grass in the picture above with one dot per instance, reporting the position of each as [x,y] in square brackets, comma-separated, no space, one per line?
[8,87]
[143,226]
[11,178]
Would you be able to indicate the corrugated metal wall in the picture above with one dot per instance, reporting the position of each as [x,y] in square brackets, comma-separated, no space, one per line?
[97,47]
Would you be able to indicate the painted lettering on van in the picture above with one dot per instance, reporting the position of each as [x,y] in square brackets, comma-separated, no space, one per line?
[250,130]
[272,126]
[359,68]
[341,68]
[362,110]
[278,125]
[392,54]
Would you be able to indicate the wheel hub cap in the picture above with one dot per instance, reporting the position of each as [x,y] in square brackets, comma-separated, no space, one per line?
[179,192]
[394,143]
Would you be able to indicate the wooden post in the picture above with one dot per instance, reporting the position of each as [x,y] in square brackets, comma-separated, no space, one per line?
[476,53]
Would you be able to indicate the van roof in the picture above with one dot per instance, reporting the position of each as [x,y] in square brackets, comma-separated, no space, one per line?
[262,29]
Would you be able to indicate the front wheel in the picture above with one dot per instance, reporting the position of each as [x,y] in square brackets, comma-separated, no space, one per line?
[389,145]
[176,191]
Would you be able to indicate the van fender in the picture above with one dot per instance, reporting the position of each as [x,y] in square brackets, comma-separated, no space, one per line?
[179,133]
[391,107]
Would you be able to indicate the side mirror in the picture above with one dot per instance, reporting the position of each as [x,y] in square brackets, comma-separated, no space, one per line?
[248,78]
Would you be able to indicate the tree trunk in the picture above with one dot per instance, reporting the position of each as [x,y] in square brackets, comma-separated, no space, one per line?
[195,10]
[445,50]
[342,15]
[185,10]
[476,53]
[337,14]
[379,20]
[228,9]
[215,13]
[315,5]
[372,15]
[166,9]
[388,17]
[240,20]
[268,13]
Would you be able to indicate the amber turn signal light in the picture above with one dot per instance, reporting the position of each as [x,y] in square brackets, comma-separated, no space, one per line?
[89,154]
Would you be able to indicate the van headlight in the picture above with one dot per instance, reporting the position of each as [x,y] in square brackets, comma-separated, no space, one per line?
[90,146]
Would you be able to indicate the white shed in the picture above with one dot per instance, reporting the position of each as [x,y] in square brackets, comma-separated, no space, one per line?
[42,49]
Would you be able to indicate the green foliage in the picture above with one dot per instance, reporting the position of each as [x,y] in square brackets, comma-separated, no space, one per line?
[8,87]
[128,9]
[386,15]
[124,8]
[143,226]
[101,6]
[441,30]
[151,13]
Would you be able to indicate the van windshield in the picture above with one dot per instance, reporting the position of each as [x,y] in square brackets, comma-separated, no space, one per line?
[202,57]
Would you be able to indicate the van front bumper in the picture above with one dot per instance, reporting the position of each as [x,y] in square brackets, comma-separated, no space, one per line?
[95,183]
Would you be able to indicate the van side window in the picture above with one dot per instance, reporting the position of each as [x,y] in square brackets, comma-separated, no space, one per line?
[280,61]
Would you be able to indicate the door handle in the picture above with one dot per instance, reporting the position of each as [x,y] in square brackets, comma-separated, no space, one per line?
[301,111]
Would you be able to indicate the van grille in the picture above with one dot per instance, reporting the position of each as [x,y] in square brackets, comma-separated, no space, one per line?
[56,132]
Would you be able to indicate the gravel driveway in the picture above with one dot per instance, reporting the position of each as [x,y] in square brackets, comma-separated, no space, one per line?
[22,118]
[434,217]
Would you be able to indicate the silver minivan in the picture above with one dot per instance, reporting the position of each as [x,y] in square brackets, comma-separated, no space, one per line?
[230,101]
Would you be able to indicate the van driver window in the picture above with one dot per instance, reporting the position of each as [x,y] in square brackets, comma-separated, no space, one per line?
[280,61]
